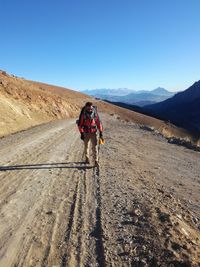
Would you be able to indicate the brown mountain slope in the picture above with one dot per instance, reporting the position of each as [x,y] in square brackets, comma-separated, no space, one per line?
[24,104]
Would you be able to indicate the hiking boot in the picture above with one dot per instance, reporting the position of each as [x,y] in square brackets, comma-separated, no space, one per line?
[96,163]
[87,161]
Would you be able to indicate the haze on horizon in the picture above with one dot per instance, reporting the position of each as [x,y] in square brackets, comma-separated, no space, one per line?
[134,90]
[139,45]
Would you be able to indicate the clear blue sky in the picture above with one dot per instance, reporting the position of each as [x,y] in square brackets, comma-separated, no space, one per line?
[139,44]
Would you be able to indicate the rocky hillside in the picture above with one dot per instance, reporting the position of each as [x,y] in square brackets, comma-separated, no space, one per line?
[24,104]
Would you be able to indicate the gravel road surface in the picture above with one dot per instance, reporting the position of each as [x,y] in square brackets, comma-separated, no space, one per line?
[141,208]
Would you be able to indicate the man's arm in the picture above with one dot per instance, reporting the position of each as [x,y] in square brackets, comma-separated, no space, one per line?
[81,123]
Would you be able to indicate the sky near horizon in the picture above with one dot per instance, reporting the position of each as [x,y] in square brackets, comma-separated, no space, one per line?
[87,44]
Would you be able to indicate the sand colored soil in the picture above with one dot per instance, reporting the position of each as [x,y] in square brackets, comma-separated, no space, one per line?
[141,208]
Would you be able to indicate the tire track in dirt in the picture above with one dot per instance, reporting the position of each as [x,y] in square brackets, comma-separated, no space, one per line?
[29,142]
[84,233]
[48,249]
[74,233]
[25,152]
[98,231]
[34,156]
[51,211]
[33,208]
[49,255]
[71,214]
[68,231]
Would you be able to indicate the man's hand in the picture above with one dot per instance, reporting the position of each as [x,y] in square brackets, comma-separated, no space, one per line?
[101,135]
[82,136]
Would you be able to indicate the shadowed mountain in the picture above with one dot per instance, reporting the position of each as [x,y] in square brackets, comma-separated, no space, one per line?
[183,109]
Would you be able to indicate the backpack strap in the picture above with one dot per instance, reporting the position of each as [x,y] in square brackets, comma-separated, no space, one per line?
[82,112]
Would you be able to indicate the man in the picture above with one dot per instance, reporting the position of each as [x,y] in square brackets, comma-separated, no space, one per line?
[89,123]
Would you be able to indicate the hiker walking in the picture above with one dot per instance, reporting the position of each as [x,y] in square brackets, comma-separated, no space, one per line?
[89,123]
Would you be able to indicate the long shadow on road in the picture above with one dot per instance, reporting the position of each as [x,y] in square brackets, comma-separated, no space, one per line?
[43,166]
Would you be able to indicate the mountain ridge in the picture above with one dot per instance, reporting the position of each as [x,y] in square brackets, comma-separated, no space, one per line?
[182,109]
[129,96]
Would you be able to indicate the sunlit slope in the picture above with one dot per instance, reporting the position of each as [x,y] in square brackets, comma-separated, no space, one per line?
[24,104]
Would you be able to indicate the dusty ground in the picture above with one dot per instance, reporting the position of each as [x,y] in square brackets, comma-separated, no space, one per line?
[141,209]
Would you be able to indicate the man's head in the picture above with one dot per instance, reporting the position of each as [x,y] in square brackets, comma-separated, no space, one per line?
[89,107]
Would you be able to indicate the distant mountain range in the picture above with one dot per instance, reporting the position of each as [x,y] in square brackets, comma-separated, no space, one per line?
[107,92]
[183,109]
[131,97]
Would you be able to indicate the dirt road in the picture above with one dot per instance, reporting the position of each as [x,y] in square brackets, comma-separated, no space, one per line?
[143,209]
